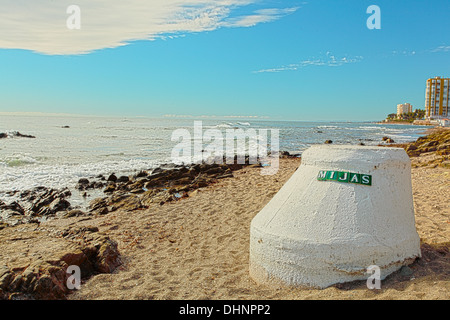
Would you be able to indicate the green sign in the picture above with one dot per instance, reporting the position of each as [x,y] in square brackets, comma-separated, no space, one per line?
[347,177]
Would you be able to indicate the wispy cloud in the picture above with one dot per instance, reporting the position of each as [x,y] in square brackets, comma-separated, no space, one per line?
[40,25]
[441,49]
[260,16]
[404,53]
[329,60]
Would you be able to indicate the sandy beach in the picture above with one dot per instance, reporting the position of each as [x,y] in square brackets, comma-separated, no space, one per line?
[198,247]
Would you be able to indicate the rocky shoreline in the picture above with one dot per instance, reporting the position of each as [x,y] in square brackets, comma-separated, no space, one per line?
[29,271]
[432,150]
[43,275]
[161,185]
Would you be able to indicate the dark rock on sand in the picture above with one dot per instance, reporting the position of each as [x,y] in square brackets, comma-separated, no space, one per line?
[15,134]
[34,203]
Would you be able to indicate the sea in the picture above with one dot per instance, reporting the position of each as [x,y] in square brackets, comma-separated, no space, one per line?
[67,148]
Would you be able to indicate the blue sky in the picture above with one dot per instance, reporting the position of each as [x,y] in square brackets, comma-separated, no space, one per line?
[291,60]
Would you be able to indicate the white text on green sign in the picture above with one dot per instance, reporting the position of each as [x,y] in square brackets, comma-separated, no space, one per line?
[347,177]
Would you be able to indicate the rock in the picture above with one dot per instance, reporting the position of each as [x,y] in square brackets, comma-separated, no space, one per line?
[128,202]
[228,175]
[74,213]
[136,191]
[123,179]
[110,188]
[141,174]
[328,142]
[157,170]
[58,205]
[108,258]
[45,277]
[83,181]
[3,135]
[97,204]
[406,271]
[18,134]
[112,178]
[65,127]
[13,206]
[390,140]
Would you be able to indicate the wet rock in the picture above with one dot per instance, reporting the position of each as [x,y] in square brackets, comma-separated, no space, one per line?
[58,204]
[328,142]
[15,207]
[83,181]
[141,174]
[18,134]
[112,178]
[110,188]
[123,179]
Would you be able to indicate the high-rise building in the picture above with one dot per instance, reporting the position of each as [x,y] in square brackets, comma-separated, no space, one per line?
[403,108]
[437,98]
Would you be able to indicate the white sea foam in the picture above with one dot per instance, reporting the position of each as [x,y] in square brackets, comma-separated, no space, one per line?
[98,145]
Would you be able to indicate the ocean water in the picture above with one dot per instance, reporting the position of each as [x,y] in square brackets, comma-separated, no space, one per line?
[94,145]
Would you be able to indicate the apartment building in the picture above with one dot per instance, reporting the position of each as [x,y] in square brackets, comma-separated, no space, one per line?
[437,98]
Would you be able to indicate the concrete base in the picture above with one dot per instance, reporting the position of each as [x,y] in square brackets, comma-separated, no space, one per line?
[318,233]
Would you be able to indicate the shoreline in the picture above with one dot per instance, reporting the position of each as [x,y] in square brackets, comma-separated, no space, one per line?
[196,247]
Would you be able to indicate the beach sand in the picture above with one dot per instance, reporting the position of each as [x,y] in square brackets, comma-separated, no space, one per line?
[198,247]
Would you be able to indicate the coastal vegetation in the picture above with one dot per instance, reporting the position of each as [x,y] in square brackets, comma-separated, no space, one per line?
[409,117]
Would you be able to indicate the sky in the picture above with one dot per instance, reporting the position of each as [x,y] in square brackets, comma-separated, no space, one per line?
[270,59]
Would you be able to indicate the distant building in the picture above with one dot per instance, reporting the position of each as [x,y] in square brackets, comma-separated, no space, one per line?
[403,108]
[444,122]
[437,98]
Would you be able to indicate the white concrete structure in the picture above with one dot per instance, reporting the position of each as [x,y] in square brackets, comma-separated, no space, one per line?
[319,233]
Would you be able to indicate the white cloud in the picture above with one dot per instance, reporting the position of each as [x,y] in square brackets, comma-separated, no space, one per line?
[40,25]
[260,16]
[329,60]
[441,49]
